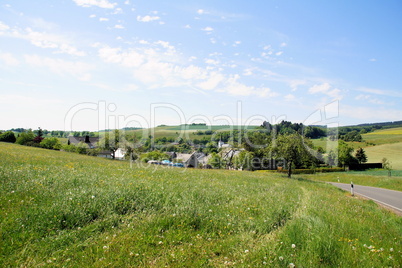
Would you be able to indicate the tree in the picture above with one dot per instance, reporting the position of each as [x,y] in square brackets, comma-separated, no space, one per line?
[344,154]
[361,156]
[111,142]
[291,148]
[216,161]
[38,138]
[8,136]
[332,159]
[244,160]
[25,138]
[386,164]
[51,143]
[154,155]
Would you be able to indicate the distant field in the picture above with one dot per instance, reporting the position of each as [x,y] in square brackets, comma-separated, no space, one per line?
[186,131]
[384,136]
[393,152]
[61,209]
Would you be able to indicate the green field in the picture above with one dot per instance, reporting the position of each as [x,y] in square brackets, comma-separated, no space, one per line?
[375,178]
[387,143]
[67,210]
[185,131]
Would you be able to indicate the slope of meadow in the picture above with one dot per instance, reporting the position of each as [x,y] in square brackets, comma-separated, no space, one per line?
[66,210]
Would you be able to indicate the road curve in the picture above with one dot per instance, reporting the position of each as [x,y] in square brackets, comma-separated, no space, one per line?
[389,198]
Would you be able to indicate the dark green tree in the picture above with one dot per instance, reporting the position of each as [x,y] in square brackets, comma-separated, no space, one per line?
[8,136]
[25,138]
[111,141]
[361,155]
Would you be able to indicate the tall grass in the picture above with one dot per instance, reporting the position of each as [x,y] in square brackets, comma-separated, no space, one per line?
[66,210]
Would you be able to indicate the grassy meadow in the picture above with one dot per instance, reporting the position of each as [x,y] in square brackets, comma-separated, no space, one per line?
[186,131]
[374,178]
[61,209]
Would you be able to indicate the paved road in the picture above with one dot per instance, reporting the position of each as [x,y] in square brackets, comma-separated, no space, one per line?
[389,198]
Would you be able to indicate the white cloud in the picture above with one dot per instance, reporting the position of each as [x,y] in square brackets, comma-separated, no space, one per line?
[79,70]
[103,19]
[283,45]
[118,11]
[236,43]
[119,26]
[207,29]
[369,98]
[326,89]
[147,18]
[9,59]
[382,92]
[279,53]
[92,16]
[4,27]
[60,43]
[129,58]
[200,11]
[211,62]
[290,97]
[154,68]
[294,84]
[233,87]
[98,3]
[370,114]
[187,26]
[212,82]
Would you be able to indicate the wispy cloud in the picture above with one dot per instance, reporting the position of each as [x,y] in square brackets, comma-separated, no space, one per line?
[97,3]
[382,92]
[9,59]
[147,18]
[57,42]
[326,89]
[79,70]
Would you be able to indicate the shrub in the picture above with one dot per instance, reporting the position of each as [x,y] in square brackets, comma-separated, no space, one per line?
[25,138]
[8,137]
[51,143]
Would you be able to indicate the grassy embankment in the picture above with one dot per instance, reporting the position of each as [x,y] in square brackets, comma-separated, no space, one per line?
[60,209]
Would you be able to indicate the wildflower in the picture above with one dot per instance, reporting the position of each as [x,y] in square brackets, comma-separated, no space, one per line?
[291,265]
[93,197]
[160,243]
[293,246]
[281,258]
[105,247]
[246,251]
[391,249]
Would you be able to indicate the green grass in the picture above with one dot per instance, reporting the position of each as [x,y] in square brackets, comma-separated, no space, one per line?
[66,210]
[374,178]
[187,131]
[393,152]
[384,136]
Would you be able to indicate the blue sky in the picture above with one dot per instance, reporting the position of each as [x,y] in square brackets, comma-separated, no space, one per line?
[89,64]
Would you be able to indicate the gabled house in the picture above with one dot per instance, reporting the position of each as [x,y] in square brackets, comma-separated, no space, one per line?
[92,142]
